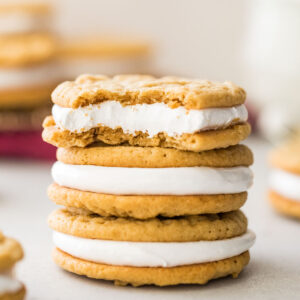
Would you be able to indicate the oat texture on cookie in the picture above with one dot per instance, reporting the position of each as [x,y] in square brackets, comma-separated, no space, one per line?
[152,178]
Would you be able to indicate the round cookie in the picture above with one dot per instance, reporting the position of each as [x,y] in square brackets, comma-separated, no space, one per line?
[181,229]
[17,295]
[32,8]
[284,193]
[284,205]
[286,157]
[25,98]
[205,140]
[137,276]
[10,252]
[26,49]
[137,89]
[145,206]
[154,157]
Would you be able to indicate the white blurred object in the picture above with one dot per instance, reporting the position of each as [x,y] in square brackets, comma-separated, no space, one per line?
[272,57]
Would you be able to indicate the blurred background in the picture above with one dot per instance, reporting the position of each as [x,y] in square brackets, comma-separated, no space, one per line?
[254,43]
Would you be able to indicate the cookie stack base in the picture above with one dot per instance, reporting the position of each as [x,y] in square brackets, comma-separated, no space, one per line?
[137,276]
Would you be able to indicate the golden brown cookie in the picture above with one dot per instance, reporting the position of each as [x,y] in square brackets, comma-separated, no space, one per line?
[145,206]
[102,47]
[285,205]
[196,142]
[18,295]
[25,98]
[137,276]
[10,252]
[137,89]
[180,229]
[26,49]
[154,157]
[286,157]
[32,8]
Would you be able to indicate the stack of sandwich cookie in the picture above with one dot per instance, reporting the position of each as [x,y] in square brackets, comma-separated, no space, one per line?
[284,192]
[151,195]
[27,73]
[10,252]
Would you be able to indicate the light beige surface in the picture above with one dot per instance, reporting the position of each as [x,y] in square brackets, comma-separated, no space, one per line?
[271,274]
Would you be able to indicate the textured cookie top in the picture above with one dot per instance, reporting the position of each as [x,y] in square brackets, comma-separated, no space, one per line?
[154,157]
[10,252]
[138,89]
[21,50]
[180,229]
[287,156]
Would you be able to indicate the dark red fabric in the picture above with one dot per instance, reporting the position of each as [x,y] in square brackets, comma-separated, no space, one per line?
[25,144]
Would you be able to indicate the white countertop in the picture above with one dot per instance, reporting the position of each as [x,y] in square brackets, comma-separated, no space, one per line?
[273,272]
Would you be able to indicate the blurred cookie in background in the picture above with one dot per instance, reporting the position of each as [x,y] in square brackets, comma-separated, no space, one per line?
[103,55]
[20,17]
[284,183]
[28,74]
[10,252]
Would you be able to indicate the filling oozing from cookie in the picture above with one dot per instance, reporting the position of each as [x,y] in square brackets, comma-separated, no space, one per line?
[152,254]
[147,118]
[153,181]
[285,183]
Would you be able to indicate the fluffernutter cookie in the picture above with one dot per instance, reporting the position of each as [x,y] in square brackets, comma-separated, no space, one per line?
[284,181]
[168,112]
[184,250]
[145,182]
[10,252]
[152,177]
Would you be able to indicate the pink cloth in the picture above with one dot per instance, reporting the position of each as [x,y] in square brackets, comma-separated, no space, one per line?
[25,144]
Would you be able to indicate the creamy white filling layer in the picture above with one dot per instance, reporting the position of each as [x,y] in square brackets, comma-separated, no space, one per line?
[149,254]
[8,284]
[19,22]
[285,184]
[147,118]
[42,74]
[153,181]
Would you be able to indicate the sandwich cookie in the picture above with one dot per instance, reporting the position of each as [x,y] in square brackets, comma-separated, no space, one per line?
[27,70]
[168,112]
[159,251]
[144,182]
[10,252]
[284,181]
[21,18]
